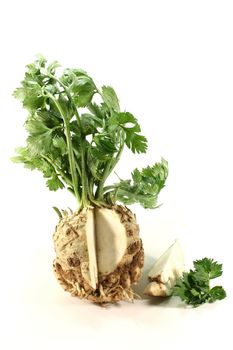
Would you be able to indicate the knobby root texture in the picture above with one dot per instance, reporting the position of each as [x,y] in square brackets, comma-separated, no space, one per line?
[99,254]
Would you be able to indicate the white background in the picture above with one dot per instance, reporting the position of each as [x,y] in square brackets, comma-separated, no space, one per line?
[171,63]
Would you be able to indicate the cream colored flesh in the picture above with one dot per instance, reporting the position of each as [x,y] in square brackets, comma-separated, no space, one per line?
[165,272]
[106,243]
[172,261]
[156,289]
[91,247]
[111,240]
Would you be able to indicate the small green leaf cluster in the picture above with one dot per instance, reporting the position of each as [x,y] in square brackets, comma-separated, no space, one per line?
[194,286]
[76,142]
[143,188]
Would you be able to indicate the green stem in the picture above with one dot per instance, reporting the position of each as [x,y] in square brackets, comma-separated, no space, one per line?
[84,178]
[108,169]
[116,160]
[77,165]
[69,97]
[91,195]
[91,185]
[69,147]
[106,172]
[59,171]
[107,188]
[94,201]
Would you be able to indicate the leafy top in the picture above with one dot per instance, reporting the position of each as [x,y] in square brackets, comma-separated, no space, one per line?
[209,266]
[194,286]
[76,143]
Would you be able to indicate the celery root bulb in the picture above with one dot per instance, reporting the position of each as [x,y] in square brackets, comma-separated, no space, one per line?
[99,253]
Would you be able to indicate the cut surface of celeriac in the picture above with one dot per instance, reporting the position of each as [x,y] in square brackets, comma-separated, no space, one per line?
[165,272]
[91,247]
[111,239]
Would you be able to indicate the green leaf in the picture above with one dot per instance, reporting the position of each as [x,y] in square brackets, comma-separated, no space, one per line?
[194,286]
[60,143]
[110,98]
[145,187]
[137,143]
[80,85]
[134,141]
[31,92]
[217,293]
[53,66]
[209,266]
[128,121]
[36,162]
[105,144]
[31,95]
[136,176]
[49,118]
[89,124]
[97,111]
[40,144]
[99,154]
[84,97]
[54,184]
[36,127]
[24,157]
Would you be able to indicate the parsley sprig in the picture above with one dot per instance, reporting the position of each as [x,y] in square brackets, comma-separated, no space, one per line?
[76,143]
[194,286]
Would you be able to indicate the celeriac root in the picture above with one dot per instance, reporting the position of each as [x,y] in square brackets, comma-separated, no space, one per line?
[101,269]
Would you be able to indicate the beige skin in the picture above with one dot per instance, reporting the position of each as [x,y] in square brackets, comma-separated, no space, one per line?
[99,254]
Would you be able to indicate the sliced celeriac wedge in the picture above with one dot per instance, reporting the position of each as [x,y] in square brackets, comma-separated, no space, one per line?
[111,240]
[165,272]
[91,247]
